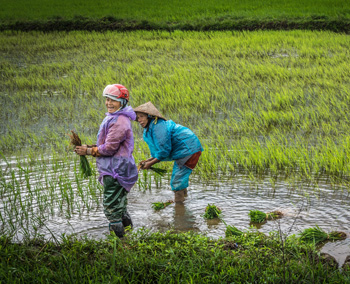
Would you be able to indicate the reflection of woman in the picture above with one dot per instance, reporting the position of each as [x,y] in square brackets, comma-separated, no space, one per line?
[169,141]
[184,220]
[113,152]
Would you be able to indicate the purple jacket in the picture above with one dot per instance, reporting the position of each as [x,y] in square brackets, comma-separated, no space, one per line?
[115,143]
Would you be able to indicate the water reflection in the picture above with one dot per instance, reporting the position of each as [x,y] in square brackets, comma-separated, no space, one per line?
[184,219]
[76,210]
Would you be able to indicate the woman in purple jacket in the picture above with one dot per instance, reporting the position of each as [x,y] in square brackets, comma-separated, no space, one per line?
[113,152]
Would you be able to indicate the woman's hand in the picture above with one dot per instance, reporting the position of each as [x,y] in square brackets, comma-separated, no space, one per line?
[147,164]
[81,150]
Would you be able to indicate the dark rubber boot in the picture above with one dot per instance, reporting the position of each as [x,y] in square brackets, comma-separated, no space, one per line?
[126,220]
[117,228]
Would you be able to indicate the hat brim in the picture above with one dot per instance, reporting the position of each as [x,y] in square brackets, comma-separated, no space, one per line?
[149,109]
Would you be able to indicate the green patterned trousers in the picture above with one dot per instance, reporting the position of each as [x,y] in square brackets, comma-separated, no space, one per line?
[114,199]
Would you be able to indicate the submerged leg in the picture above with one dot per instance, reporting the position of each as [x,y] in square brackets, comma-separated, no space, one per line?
[179,181]
[179,196]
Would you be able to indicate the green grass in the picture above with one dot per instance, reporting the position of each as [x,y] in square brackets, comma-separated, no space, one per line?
[212,211]
[171,11]
[145,257]
[267,102]
[316,235]
[194,15]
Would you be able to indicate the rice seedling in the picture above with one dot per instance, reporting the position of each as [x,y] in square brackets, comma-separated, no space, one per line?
[212,211]
[232,231]
[270,119]
[158,171]
[257,216]
[161,205]
[274,215]
[198,15]
[84,163]
[278,108]
[316,235]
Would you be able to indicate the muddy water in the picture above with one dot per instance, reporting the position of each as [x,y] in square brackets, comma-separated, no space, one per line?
[303,207]
[329,209]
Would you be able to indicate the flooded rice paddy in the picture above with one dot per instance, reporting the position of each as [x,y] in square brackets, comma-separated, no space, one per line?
[44,201]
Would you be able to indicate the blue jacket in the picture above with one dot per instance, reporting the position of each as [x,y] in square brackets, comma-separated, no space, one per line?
[169,141]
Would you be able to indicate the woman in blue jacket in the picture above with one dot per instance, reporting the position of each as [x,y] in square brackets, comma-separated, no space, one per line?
[169,141]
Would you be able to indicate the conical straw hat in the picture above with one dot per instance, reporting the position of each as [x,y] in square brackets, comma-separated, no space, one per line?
[150,109]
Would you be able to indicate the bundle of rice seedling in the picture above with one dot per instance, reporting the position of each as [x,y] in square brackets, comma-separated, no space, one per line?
[334,236]
[161,205]
[84,163]
[232,231]
[257,216]
[274,215]
[158,171]
[314,235]
[211,212]
[317,235]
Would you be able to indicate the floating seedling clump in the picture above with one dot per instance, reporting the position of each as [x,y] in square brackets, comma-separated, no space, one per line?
[316,235]
[257,216]
[161,205]
[212,211]
[84,163]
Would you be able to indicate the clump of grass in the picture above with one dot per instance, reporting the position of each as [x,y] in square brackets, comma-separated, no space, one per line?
[335,235]
[274,215]
[316,235]
[212,211]
[232,231]
[257,216]
[84,163]
[161,205]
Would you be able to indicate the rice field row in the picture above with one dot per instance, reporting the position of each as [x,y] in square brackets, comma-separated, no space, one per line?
[173,11]
[262,101]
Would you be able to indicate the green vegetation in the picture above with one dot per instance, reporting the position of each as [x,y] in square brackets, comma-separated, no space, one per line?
[211,212]
[84,163]
[146,257]
[173,11]
[158,171]
[257,216]
[161,205]
[232,231]
[263,103]
[316,235]
[124,15]
[266,102]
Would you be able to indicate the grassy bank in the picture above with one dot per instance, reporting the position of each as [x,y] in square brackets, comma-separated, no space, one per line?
[143,257]
[340,25]
[46,15]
